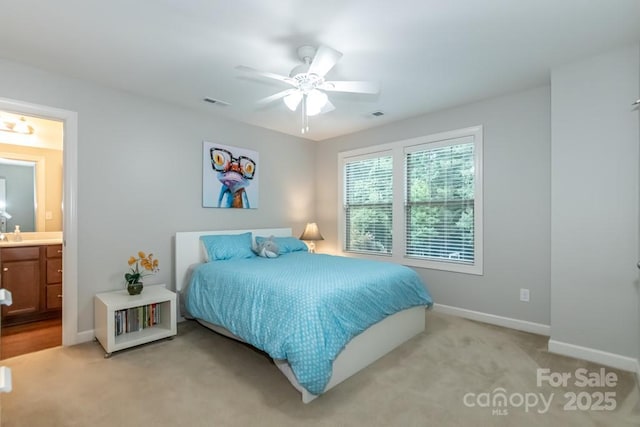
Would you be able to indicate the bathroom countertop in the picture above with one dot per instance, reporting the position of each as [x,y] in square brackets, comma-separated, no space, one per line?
[33,239]
[30,242]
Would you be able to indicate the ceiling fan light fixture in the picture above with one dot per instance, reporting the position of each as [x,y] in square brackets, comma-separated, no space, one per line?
[307,83]
[316,100]
[293,100]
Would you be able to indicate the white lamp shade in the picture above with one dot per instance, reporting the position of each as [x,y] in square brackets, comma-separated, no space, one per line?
[311,232]
[315,101]
[293,100]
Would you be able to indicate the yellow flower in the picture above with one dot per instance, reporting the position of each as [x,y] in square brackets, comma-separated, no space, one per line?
[143,261]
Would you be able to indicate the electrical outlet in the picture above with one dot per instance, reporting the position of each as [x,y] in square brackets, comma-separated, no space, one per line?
[524,295]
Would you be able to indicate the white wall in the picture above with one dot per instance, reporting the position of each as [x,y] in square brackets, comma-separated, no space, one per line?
[140,176]
[594,243]
[516,201]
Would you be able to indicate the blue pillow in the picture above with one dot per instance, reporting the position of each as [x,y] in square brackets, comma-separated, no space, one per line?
[228,246]
[286,244]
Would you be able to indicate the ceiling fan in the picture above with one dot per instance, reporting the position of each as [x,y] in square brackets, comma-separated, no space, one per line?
[308,83]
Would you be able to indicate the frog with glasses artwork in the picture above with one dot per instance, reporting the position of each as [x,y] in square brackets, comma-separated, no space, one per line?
[235,175]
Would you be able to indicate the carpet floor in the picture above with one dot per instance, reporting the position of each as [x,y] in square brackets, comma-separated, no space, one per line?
[457,373]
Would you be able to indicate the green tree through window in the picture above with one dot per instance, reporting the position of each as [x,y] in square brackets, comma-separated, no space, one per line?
[417,201]
[440,203]
[368,205]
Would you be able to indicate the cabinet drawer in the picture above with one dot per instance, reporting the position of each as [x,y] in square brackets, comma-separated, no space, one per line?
[54,251]
[20,254]
[54,296]
[54,270]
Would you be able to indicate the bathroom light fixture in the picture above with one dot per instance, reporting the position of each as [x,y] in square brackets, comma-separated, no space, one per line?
[311,234]
[20,126]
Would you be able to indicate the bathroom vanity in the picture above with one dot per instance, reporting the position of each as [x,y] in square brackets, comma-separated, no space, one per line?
[32,271]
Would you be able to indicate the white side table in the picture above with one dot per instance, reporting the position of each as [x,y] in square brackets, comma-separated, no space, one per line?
[122,320]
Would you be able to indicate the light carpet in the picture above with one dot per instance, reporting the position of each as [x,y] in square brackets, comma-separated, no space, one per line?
[446,376]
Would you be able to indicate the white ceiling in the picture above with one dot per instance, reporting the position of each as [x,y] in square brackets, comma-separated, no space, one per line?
[426,55]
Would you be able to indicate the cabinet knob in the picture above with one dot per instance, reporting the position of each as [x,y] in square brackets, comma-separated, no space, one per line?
[59,296]
[59,251]
[5,269]
[59,271]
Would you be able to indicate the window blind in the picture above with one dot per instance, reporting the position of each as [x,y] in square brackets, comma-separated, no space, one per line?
[368,197]
[439,205]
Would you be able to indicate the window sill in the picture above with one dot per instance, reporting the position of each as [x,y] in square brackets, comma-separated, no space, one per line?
[475,269]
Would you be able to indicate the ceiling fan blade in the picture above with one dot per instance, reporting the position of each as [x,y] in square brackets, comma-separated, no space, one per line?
[324,60]
[268,75]
[275,97]
[351,86]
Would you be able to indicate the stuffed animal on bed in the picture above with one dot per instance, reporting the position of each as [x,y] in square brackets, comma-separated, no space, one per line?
[267,248]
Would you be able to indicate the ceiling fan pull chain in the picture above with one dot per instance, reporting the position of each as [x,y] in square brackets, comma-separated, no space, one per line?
[303,115]
[305,118]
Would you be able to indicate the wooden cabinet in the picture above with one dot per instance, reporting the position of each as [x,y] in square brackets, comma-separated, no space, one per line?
[53,285]
[33,274]
[54,296]
[21,276]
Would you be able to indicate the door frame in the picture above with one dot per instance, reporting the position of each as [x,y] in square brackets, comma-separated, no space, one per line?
[69,210]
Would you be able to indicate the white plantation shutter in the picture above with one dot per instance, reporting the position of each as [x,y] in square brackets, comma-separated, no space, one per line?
[440,208]
[368,204]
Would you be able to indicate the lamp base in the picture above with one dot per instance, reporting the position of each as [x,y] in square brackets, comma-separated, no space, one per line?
[312,246]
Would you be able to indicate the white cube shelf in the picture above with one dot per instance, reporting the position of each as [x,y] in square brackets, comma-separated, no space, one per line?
[106,304]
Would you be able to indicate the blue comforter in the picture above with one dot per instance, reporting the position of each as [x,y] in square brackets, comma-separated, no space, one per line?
[302,307]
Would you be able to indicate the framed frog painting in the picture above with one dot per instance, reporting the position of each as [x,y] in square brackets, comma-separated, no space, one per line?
[230,177]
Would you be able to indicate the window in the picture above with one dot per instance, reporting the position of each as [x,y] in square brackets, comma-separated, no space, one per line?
[368,204]
[440,201]
[417,201]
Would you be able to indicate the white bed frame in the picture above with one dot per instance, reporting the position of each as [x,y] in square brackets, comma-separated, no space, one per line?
[360,352]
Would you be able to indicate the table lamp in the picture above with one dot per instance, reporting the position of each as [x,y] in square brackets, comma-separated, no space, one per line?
[311,234]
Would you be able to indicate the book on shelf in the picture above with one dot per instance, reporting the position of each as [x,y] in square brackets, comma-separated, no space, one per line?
[136,319]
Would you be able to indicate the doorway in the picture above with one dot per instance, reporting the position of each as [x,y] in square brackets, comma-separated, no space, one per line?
[68,210]
[31,171]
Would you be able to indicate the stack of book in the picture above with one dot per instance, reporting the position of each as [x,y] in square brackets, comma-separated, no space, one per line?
[137,318]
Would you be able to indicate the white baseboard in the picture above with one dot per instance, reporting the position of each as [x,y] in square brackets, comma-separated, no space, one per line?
[592,355]
[507,322]
[84,336]
[597,356]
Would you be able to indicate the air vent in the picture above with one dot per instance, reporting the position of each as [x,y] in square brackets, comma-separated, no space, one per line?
[377,113]
[216,101]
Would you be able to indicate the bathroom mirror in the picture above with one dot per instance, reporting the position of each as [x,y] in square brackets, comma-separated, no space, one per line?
[17,195]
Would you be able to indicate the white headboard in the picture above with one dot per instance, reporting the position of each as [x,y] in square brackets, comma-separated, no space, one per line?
[189,252]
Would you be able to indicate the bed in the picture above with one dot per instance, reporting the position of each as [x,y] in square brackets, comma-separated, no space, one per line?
[215,293]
